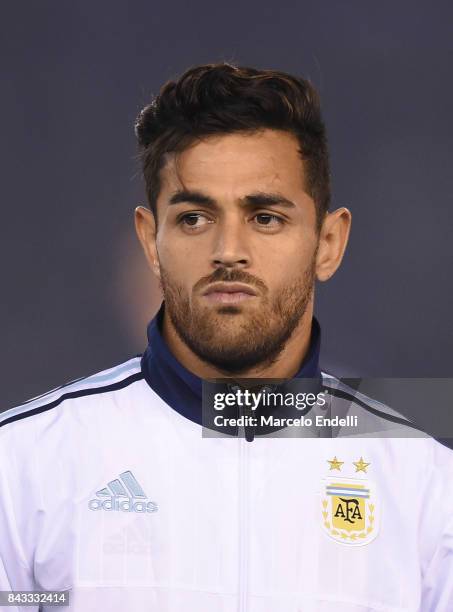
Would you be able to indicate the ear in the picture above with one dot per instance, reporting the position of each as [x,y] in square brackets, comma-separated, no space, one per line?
[145,226]
[333,238]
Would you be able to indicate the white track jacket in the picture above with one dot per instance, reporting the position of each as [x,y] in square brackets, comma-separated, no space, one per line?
[107,491]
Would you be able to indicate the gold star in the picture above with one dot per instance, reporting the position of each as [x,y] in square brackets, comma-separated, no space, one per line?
[335,464]
[360,466]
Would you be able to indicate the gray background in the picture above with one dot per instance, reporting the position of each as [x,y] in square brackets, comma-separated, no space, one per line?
[75,291]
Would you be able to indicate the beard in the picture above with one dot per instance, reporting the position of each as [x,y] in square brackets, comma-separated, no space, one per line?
[236,338]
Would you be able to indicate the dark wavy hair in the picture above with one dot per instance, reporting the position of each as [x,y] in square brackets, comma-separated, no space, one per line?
[223,98]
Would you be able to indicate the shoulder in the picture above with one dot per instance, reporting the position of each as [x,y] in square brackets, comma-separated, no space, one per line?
[379,420]
[72,396]
[375,416]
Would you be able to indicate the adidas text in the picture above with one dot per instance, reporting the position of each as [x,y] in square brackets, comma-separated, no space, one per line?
[124,505]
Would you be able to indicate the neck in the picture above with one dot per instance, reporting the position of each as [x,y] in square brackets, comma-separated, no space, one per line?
[286,365]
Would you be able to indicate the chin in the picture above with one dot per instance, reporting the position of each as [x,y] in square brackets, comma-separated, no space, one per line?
[227,330]
[231,310]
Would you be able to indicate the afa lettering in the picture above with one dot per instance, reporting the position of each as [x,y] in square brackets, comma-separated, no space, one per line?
[352,510]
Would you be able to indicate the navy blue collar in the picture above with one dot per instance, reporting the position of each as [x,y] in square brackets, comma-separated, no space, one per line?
[180,388]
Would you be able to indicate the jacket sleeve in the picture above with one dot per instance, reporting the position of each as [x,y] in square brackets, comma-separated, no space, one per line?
[15,568]
[437,591]
[438,581]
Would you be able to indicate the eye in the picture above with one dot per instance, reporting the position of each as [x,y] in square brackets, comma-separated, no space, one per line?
[193,220]
[268,220]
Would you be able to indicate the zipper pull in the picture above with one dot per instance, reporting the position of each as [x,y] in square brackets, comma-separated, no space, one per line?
[244,411]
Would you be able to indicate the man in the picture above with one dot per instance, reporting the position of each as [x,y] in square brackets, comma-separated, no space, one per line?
[108,487]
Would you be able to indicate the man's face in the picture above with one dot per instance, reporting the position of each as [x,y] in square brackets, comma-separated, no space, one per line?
[236,245]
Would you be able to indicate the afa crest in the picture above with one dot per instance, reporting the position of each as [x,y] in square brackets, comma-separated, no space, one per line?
[350,510]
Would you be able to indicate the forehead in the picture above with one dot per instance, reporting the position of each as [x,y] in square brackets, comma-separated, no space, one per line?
[234,164]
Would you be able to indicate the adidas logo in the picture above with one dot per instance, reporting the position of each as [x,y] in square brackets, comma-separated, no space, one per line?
[123,494]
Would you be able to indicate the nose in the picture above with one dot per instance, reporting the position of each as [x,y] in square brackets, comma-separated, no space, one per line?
[230,247]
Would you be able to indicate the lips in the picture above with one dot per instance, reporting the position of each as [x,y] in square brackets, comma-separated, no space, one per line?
[229,288]
[229,293]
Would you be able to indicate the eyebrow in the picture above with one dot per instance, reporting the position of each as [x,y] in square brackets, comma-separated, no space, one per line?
[258,198]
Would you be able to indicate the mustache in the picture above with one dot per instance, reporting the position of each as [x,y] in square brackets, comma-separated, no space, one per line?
[228,275]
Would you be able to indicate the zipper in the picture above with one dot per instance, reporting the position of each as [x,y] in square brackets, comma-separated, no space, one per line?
[245,436]
[243,524]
